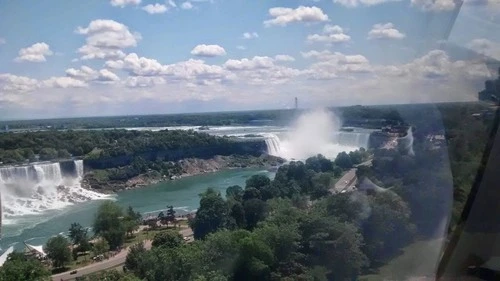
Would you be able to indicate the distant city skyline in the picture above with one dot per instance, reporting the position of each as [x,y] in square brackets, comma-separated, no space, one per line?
[128,57]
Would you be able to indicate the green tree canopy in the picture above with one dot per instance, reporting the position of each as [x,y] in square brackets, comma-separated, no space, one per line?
[169,239]
[109,223]
[58,250]
[19,267]
[211,215]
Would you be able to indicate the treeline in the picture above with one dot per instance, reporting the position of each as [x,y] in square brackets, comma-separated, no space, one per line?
[289,228]
[261,117]
[49,145]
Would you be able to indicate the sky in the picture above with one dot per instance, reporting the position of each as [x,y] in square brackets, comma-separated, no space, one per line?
[69,58]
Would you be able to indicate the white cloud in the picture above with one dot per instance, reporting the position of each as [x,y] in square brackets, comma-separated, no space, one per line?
[35,53]
[2,41]
[241,47]
[485,47]
[385,31]
[331,34]
[86,73]
[123,3]
[284,58]
[171,3]
[434,5]
[283,16]
[144,81]
[187,6]
[332,29]
[335,65]
[155,8]
[329,38]
[356,3]
[17,84]
[186,70]
[62,82]
[105,39]
[249,64]
[250,35]
[208,51]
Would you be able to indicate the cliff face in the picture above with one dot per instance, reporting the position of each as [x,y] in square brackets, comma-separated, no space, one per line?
[238,147]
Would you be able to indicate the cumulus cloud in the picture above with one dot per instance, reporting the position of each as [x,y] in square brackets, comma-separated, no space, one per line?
[208,51]
[250,35]
[62,82]
[34,53]
[249,64]
[356,3]
[434,5]
[485,47]
[241,47]
[284,58]
[155,8]
[2,41]
[123,3]
[86,73]
[187,6]
[331,34]
[334,65]
[385,31]
[283,16]
[105,39]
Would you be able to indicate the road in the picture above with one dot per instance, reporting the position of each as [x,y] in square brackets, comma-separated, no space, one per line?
[112,262]
[348,181]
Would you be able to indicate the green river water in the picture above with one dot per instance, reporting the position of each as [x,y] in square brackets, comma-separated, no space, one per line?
[182,194]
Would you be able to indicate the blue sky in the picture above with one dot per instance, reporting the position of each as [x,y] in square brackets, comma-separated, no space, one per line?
[108,57]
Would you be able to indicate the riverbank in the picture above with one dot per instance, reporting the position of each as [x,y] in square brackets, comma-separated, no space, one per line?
[93,180]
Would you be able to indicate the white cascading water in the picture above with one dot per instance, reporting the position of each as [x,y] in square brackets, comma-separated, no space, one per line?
[407,142]
[79,168]
[35,188]
[315,132]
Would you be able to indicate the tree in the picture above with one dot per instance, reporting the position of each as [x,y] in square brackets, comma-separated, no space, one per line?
[77,233]
[251,193]
[255,211]
[100,247]
[343,160]
[210,216]
[169,239]
[19,267]
[134,257]
[132,220]
[48,154]
[255,260]
[171,215]
[334,245]
[58,250]
[235,192]
[109,275]
[237,213]
[258,181]
[108,223]
[63,153]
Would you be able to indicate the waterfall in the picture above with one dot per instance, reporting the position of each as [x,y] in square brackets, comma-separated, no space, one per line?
[79,168]
[43,186]
[273,144]
[49,173]
[358,139]
[407,142]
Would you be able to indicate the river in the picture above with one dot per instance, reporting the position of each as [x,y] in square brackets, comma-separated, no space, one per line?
[182,194]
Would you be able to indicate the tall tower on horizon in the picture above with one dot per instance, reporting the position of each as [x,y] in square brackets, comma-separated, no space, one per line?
[296,103]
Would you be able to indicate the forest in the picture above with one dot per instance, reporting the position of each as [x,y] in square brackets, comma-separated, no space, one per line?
[18,148]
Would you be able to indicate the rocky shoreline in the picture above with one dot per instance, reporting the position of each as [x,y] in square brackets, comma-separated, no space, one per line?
[188,167]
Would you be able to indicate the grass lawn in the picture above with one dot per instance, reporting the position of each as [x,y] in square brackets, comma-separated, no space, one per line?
[417,259]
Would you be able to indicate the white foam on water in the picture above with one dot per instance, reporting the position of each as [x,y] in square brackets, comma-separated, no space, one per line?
[33,189]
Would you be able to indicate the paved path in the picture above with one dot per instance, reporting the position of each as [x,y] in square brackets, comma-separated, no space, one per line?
[112,262]
[346,182]
[349,180]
